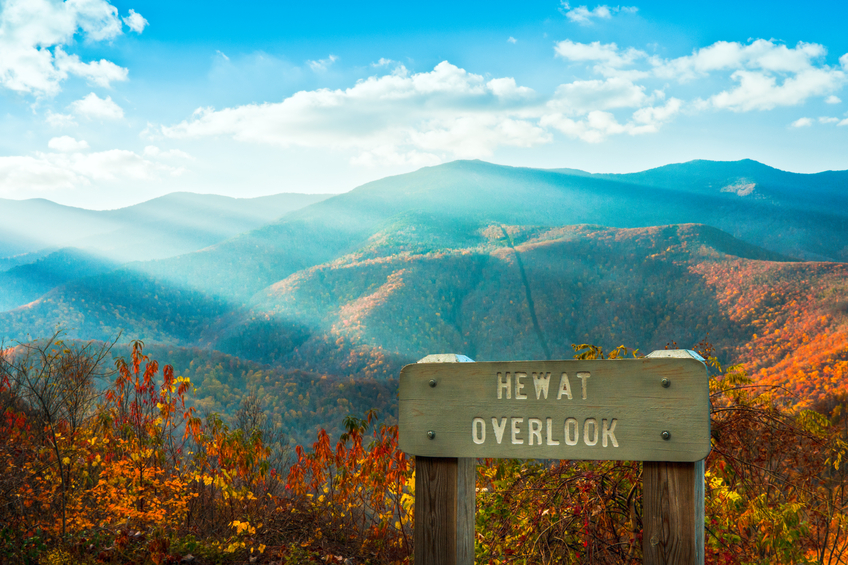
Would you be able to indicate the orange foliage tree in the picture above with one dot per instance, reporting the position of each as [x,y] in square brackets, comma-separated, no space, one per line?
[359,495]
[135,459]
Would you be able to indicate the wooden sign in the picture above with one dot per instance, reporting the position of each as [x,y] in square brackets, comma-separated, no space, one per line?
[650,409]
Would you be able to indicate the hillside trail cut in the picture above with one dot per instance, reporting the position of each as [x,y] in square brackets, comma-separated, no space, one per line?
[542,342]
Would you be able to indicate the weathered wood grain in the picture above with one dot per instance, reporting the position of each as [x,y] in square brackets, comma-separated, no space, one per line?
[444,529]
[624,397]
[435,510]
[673,506]
[466,508]
[673,503]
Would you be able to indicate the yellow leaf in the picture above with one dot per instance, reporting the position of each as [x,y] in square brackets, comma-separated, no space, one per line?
[66,460]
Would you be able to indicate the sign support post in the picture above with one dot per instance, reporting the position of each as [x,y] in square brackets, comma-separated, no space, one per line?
[673,503]
[673,513]
[445,502]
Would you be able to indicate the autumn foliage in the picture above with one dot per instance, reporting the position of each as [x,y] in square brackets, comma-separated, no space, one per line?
[119,475]
[115,466]
[775,490]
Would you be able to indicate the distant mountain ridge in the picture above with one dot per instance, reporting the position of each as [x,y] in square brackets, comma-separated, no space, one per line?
[170,225]
[753,202]
[820,192]
[474,193]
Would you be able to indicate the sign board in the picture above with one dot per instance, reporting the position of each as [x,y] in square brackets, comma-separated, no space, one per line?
[650,409]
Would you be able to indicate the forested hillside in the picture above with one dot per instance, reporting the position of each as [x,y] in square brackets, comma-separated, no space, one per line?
[21,284]
[520,292]
[493,262]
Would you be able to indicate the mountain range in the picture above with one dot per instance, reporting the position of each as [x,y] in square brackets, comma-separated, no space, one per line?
[490,261]
[169,225]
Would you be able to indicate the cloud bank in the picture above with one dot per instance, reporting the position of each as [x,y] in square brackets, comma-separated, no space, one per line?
[404,118]
[398,118]
[35,35]
[70,165]
[763,74]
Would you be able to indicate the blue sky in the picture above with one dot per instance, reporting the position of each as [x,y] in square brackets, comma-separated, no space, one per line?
[108,104]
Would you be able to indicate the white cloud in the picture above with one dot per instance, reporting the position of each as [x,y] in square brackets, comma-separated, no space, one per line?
[832,99]
[802,123]
[59,120]
[423,118]
[828,120]
[761,54]
[761,91]
[506,88]
[762,74]
[582,96]
[93,107]
[583,15]
[604,53]
[322,65]
[29,29]
[401,110]
[69,169]
[135,21]
[389,156]
[767,74]
[153,151]
[101,73]
[512,40]
[843,122]
[655,116]
[405,118]
[111,165]
[19,174]
[595,128]
[395,118]
[597,125]
[478,135]
[67,144]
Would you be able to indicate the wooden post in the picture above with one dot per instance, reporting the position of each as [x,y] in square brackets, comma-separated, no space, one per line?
[445,502]
[673,505]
